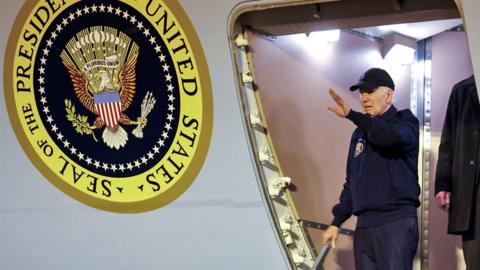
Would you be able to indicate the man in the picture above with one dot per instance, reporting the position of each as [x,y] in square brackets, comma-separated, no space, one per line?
[457,176]
[381,186]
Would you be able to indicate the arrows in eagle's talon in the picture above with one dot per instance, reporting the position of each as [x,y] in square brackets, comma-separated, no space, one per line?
[146,107]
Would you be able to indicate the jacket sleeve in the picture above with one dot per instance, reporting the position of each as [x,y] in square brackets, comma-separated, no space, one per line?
[446,150]
[401,135]
[343,210]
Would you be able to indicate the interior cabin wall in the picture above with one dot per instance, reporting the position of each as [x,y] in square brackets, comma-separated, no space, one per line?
[451,63]
[293,76]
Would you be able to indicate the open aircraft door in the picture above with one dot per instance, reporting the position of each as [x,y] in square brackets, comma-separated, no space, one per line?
[299,149]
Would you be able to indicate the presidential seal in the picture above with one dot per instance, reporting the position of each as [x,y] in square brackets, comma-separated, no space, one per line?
[111,100]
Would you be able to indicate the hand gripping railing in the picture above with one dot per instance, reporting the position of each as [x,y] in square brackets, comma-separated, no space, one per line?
[323,252]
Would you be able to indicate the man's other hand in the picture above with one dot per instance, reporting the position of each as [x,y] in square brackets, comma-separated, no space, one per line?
[442,199]
[330,234]
[341,109]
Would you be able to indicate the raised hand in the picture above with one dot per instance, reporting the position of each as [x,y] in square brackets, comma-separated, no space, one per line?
[342,108]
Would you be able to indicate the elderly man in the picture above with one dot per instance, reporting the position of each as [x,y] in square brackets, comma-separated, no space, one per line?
[381,185]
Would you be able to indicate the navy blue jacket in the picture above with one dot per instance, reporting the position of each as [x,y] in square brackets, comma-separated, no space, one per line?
[382,182]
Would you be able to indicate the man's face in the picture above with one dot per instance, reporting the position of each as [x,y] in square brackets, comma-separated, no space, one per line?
[377,101]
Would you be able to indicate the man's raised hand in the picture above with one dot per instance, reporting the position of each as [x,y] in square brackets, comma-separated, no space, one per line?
[341,108]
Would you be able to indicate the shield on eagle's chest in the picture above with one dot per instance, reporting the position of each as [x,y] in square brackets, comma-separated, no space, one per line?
[108,105]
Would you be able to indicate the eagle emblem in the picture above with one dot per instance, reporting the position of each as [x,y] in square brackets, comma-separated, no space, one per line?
[101,63]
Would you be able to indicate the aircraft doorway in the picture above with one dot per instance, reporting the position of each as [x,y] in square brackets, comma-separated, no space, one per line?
[290,76]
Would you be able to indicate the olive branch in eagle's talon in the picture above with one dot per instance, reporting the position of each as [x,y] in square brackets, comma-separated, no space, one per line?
[79,122]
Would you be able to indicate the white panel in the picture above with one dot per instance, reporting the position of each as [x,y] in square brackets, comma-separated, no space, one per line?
[220,223]
[470,11]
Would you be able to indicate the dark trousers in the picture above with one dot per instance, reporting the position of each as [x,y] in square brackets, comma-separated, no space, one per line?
[471,240]
[387,247]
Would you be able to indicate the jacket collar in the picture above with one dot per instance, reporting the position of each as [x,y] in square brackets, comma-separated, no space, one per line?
[391,112]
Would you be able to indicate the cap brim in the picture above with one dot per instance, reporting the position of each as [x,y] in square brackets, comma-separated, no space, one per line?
[362,85]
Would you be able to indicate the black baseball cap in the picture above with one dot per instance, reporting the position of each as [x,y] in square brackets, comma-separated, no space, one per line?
[372,79]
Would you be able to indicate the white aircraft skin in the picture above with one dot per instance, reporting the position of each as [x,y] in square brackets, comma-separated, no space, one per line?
[220,222]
